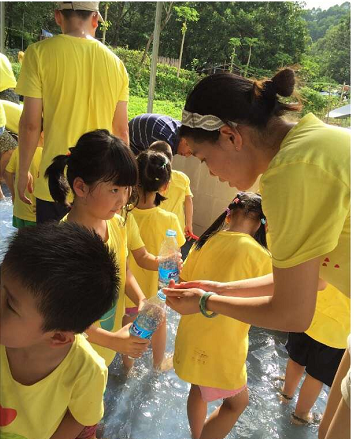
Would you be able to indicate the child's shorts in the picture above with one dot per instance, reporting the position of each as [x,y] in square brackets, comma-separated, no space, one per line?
[320,361]
[212,393]
[131,311]
[88,432]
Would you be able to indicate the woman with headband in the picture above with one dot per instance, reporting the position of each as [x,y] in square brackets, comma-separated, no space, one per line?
[235,126]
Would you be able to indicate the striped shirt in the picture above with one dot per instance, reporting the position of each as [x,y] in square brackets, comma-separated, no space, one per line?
[148,128]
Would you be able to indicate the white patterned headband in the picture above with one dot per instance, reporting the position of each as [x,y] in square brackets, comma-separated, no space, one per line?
[207,122]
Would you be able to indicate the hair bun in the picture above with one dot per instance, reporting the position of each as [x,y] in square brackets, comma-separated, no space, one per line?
[284,82]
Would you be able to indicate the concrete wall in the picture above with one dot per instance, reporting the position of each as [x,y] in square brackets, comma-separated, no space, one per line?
[211,196]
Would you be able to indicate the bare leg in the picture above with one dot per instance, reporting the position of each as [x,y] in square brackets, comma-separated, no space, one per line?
[294,372]
[128,362]
[197,411]
[334,399]
[158,344]
[309,392]
[224,417]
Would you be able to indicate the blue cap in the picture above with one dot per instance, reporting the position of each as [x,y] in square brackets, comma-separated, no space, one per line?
[171,232]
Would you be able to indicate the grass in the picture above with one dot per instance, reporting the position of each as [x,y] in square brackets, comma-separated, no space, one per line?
[138,105]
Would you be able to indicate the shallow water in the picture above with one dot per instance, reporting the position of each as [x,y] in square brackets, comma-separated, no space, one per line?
[147,405]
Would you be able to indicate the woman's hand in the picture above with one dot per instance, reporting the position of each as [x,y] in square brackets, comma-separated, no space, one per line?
[184,301]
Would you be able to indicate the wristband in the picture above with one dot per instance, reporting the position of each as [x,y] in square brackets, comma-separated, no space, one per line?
[202,305]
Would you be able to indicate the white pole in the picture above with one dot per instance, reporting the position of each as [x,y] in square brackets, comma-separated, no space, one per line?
[155,53]
[2,27]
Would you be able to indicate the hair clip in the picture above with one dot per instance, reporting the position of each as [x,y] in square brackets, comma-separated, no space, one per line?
[263,221]
[236,200]
[157,179]
[68,154]
[228,211]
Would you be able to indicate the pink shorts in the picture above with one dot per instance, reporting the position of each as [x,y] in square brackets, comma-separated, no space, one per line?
[88,432]
[131,311]
[212,393]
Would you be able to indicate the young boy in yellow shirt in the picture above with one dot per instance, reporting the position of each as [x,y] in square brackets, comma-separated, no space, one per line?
[52,381]
[178,194]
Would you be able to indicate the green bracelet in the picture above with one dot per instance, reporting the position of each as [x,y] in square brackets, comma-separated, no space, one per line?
[202,305]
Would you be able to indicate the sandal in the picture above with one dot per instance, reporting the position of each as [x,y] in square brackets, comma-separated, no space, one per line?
[313,418]
[284,397]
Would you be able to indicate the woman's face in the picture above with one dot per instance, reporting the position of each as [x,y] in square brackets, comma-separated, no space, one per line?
[227,159]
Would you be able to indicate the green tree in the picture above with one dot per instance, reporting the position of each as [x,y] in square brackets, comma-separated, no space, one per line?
[250,42]
[234,43]
[184,14]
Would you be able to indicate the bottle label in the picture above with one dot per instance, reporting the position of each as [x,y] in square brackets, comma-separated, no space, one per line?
[136,330]
[166,275]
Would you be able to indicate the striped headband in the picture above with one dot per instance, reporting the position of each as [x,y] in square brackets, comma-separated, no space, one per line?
[207,122]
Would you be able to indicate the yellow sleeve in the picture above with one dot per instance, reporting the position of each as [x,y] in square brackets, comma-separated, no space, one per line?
[12,164]
[134,240]
[175,225]
[123,74]
[2,116]
[306,208]
[86,404]
[29,82]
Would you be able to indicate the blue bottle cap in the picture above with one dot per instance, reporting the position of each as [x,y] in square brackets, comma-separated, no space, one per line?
[171,232]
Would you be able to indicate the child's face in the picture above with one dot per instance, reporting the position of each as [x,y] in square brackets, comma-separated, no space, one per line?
[20,323]
[106,199]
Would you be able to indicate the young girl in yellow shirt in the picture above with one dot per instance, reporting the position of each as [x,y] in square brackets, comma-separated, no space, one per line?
[101,171]
[153,222]
[210,353]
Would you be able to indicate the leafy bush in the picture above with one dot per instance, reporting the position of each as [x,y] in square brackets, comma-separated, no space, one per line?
[314,102]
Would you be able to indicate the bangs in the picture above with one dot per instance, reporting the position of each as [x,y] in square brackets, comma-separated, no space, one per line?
[121,167]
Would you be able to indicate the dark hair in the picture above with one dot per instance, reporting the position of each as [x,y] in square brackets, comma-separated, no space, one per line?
[69,13]
[71,273]
[97,157]
[241,100]
[154,173]
[162,146]
[250,204]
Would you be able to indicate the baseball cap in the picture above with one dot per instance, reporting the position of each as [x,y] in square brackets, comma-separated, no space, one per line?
[81,6]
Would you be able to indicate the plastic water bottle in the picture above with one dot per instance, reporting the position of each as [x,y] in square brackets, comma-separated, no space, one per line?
[150,317]
[169,256]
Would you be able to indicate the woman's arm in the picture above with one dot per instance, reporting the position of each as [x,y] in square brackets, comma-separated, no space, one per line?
[188,210]
[291,307]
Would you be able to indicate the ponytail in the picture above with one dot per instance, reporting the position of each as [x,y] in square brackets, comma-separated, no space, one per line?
[57,182]
[217,225]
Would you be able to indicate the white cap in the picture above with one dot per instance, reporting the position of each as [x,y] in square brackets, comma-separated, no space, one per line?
[81,6]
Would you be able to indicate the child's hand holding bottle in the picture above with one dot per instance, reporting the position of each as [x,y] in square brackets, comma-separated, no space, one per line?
[128,344]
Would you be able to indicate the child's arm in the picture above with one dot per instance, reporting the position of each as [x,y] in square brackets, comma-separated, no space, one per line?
[121,341]
[10,179]
[188,208]
[133,290]
[145,259]
[69,428]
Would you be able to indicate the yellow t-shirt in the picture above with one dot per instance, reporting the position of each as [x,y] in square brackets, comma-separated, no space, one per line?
[13,113]
[134,241]
[306,199]
[7,77]
[80,81]
[177,191]
[36,411]
[212,352]
[152,224]
[331,321]
[112,320]
[2,116]
[22,210]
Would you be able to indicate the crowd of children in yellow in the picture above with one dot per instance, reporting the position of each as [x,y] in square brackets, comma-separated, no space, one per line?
[70,289]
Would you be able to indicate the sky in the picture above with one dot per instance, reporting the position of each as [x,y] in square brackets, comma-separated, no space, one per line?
[323,4]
